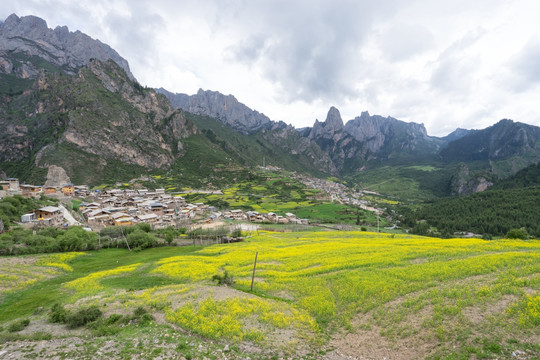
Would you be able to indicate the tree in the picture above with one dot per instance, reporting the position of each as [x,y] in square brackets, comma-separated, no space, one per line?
[169,238]
[517,234]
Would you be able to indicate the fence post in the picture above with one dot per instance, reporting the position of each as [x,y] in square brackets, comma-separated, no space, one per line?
[254,266]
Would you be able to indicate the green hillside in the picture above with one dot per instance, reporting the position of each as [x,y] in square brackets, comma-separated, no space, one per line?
[409,183]
[250,150]
[493,212]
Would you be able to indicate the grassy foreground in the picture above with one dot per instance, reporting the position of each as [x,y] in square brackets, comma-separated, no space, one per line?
[316,295]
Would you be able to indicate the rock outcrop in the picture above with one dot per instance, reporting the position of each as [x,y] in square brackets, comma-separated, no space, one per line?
[25,40]
[505,147]
[377,132]
[367,138]
[91,122]
[466,183]
[225,108]
[56,176]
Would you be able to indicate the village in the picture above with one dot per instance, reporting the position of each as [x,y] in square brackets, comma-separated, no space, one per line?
[335,192]
[124,207]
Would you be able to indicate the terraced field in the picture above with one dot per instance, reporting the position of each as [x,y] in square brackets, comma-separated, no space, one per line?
[320,295]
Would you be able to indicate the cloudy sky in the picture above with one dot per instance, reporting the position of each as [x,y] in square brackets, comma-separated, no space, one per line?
[446,64]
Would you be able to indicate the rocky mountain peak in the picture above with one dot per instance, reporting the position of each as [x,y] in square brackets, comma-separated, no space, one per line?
[333,120]
[225,108]
[23,26]
[29,38]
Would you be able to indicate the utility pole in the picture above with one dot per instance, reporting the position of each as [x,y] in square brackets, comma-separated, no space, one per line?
[126,240]
[377,222]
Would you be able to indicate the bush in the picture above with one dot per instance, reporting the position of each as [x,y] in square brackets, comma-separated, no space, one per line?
[114,318]
[517,234]
[140,311]
[18,325]
[76,239]
[58,314]
[141,239]
[145,227]
[115,232]
[141,315]
[225,279]
[236,233]
[84,316]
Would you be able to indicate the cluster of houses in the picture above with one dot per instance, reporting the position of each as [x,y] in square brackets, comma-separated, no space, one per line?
[11,186]
[123,207]
[126,207]
[337,192]
[254,216]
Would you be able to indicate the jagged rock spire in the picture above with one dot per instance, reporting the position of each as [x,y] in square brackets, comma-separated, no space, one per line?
[333,121]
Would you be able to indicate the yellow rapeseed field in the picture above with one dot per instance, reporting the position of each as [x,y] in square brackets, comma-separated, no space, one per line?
[334,276]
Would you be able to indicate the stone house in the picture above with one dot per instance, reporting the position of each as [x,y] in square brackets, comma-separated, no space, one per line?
[51,215]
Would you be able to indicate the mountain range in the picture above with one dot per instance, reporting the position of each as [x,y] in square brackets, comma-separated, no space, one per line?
[71,101]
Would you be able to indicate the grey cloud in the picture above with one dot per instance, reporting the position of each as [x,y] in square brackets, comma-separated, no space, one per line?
[463,43]
[135,32]
[249,50]
[313,49]
[453,71]
[403,41]
[524,66]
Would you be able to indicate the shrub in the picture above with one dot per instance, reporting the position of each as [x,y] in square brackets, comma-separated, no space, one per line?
[18,325]
[114,318]
[112,232]
[140,311]
[141,239]
[145,227]
[236,233]
[225,279]
[84,316]
[58,314]
[169,238]
[517,234]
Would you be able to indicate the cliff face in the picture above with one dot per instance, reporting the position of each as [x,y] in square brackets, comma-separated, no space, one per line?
[25,42]
[225,108]
[68,100]
[505,147]
[390,135]
[466,183]
[91,120]
[136,125]
[369,138]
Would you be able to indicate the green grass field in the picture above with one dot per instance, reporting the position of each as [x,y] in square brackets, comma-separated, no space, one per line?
[316,295]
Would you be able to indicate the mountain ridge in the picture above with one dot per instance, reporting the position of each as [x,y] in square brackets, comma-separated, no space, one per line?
[68,51]
[225,108]
[73,108]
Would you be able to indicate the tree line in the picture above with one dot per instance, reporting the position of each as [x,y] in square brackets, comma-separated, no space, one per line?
[493,213]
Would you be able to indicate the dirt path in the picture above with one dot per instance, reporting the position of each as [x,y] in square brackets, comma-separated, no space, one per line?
[68,217]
